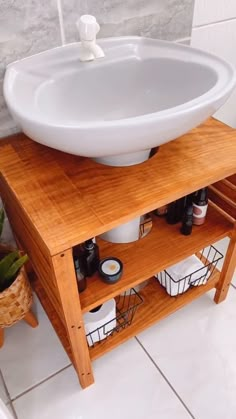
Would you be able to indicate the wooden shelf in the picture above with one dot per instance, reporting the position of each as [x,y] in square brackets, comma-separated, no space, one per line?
[164,246]
[157,305]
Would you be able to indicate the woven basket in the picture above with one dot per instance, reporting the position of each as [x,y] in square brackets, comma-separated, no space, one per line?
[16,300]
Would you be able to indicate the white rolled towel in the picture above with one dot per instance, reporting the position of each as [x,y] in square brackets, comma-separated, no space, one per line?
[189,269]
[98,319]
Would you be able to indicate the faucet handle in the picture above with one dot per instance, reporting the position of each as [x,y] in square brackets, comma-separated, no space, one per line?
[88,27]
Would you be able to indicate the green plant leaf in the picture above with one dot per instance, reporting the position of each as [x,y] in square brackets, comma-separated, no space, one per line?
[13,270]
[2,218]
[7,262]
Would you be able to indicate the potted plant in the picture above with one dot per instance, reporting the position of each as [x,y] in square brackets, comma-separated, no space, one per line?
[15,291]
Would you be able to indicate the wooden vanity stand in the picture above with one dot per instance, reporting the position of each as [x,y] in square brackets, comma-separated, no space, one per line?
[55,201]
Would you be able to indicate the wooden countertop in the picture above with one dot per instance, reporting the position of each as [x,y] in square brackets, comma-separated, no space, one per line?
[68,199]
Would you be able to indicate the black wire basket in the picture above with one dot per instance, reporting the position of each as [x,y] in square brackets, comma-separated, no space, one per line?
[209,257]
[126,306]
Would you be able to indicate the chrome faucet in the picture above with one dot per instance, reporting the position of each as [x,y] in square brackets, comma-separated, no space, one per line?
[88,29]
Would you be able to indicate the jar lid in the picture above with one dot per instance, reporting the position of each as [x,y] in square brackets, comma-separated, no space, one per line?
[110,269]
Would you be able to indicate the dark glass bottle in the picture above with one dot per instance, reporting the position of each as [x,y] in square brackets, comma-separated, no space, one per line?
[79,268]
[200,204]
[187,224]
[90,257]
[175,211]
[190,198]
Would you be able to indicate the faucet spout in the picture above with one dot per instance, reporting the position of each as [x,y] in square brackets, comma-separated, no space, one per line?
[90,50]
[88,29]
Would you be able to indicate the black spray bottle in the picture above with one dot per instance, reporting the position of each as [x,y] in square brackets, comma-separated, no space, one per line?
[175,211]
[79,268]
[90,253]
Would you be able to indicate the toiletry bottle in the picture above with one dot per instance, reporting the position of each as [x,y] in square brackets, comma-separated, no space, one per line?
[170,218]
[200,204]
[187,224]
[90,257]
[175,211]
[79,268]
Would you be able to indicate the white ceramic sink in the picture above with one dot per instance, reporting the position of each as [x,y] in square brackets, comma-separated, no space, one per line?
[144,93]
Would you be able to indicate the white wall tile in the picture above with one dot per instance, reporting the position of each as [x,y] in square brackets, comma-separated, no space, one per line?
[210,11]
[220,39]
[26,28]
[164,19]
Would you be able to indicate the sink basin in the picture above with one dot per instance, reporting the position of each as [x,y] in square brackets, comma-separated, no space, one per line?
[144,93]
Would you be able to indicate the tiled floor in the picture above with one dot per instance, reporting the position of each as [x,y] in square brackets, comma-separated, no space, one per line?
[182,368]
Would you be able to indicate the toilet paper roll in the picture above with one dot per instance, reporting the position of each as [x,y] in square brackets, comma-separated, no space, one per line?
[95,323]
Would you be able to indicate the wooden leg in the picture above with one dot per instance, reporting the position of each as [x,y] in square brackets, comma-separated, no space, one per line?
[1,337]
[65,278]
[227,271]
[30,319]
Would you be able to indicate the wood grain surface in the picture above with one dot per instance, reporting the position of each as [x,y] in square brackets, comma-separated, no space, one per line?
[163,247]
[156,306]
[55,201]
[66,198]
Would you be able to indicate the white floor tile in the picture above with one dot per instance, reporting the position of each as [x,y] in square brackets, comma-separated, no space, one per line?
[11,411]
[128,386]
[30,355]
[234,279]
[195,348]
[3,393]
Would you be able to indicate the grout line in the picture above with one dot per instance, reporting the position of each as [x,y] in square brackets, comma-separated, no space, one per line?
[214,23]
[188,38]
[8,402]
[41,382]
[165,378]
[12,409]
[61,22]
[232,285]
[5,387]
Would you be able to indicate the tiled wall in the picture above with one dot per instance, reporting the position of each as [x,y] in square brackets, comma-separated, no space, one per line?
[214,30]
[31,26]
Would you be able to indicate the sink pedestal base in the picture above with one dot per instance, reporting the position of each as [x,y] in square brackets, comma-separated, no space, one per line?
[124,159]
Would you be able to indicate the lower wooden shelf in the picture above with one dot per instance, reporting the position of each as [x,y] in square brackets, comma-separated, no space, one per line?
[164,246]
[157,304]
